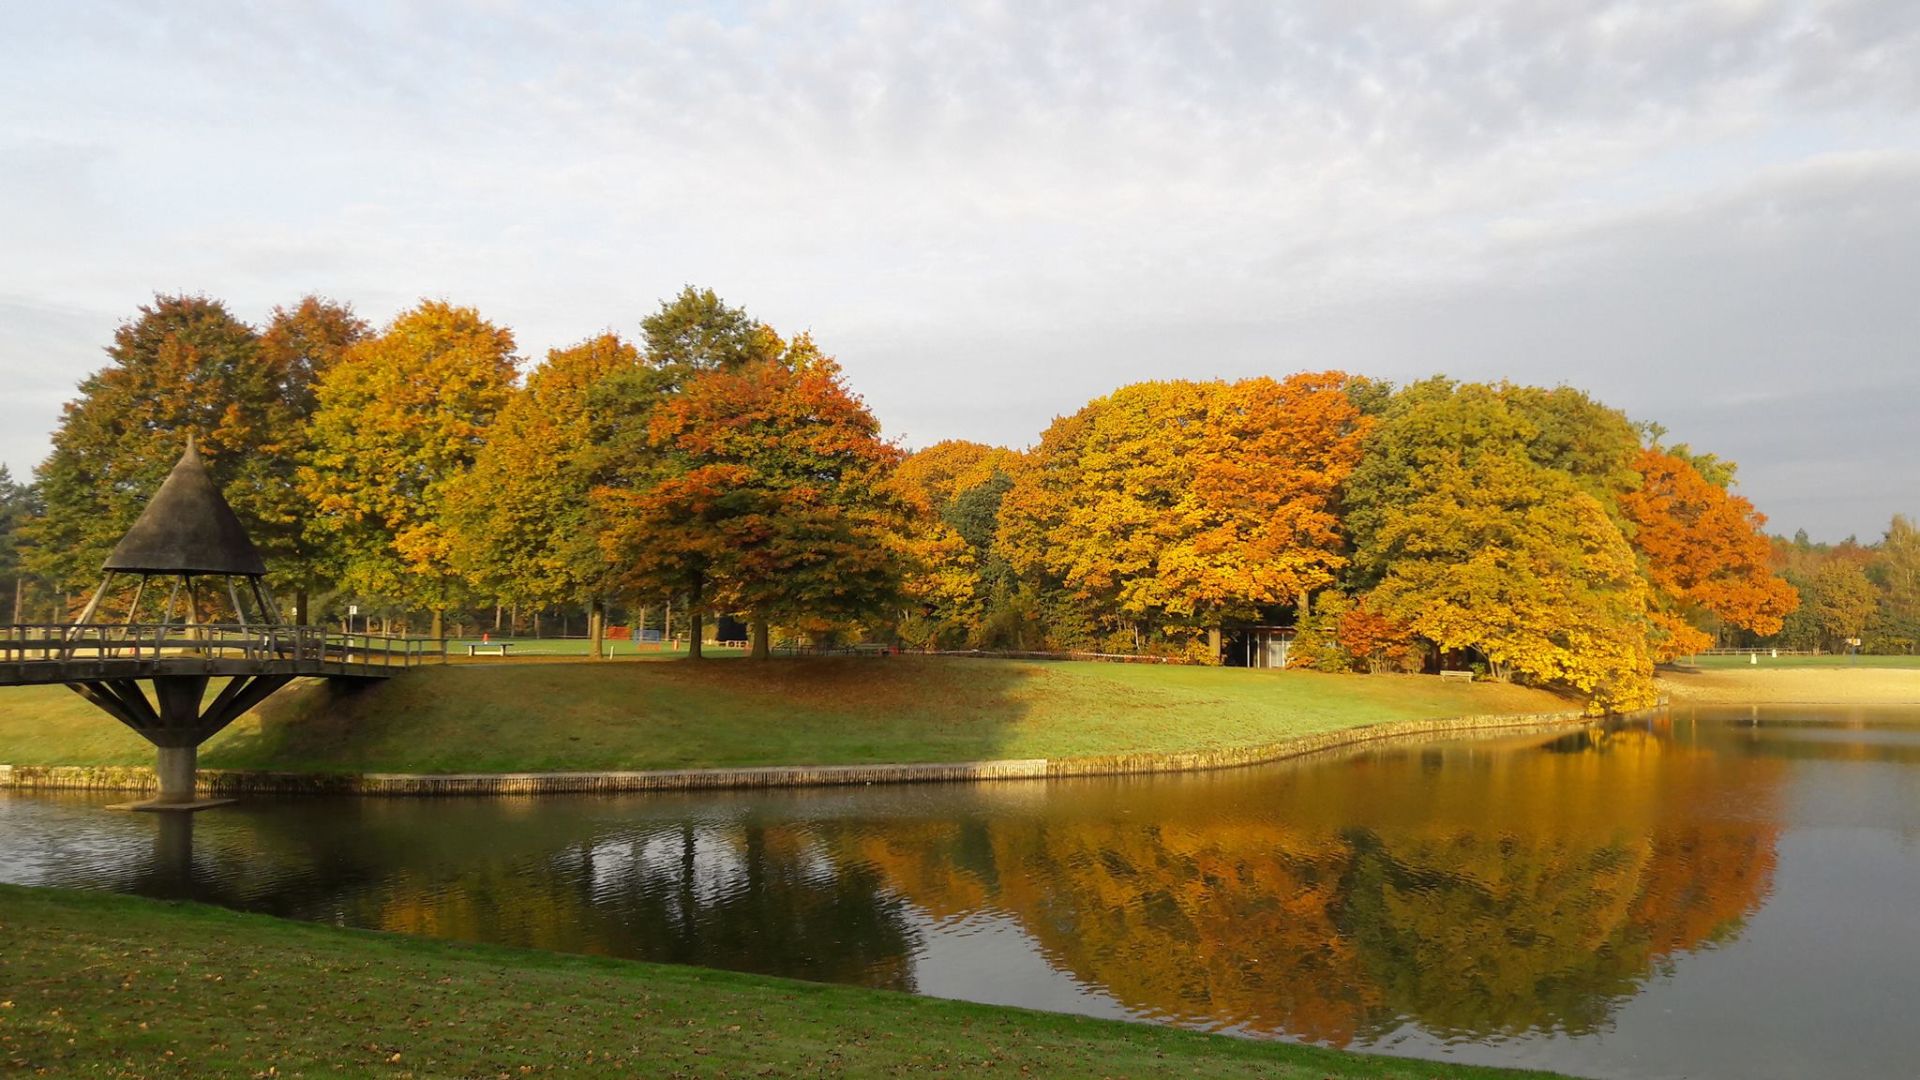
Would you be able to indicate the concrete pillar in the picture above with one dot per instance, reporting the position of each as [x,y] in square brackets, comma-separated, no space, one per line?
[177,766]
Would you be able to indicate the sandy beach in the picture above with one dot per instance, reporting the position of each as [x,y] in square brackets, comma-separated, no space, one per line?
[1794,686]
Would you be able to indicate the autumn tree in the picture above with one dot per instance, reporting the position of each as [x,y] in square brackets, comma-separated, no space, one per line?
[1439,423]
[522,521]
[18,504]
[1184,504]
[1316,645]
[1516,563]
[185,366]
[1841,600]
[1479,525]
[952,493]
[1380,643]
[300,345]
[696,332]
[770,496]
[1704,556]
[1593,444]
[1896,571]
[690,335]
[400,417]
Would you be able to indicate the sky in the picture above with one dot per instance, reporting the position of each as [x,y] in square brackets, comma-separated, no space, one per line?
[1705,214]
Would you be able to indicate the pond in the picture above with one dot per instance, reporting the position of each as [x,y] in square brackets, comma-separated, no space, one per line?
[1718,893]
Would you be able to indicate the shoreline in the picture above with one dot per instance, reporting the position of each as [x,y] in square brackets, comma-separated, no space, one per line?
[1765,685]
[140,779]
[1759,686]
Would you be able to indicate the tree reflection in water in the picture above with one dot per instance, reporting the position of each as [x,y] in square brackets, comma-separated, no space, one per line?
[1474,889]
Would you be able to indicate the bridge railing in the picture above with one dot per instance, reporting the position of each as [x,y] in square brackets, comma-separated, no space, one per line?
[313,646]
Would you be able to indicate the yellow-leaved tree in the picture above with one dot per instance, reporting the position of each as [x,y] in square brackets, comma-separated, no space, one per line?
[523,521]
[400,417]
[1486,518]
[1516,563]
[951,492]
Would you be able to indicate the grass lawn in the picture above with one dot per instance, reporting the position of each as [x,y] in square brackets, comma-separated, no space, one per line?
[1830,660]
[506,716]
[93,984]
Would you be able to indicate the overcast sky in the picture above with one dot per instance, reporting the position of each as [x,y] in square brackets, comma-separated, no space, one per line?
[1706,214]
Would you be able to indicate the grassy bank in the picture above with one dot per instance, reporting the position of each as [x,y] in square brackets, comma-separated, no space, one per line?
[97,984]
[505,717]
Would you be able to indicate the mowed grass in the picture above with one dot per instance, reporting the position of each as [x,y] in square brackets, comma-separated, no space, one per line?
[1829,660]
[93,984]
[507,717]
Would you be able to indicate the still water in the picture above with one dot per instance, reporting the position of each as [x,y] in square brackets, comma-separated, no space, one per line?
[1723,893]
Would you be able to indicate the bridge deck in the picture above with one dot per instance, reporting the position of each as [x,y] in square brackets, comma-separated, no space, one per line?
[51,654]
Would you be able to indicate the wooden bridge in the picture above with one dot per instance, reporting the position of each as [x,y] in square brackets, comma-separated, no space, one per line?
[218,621]
[106,663]
[46,654]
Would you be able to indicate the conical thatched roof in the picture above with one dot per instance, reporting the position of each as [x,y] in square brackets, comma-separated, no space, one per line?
[187,528]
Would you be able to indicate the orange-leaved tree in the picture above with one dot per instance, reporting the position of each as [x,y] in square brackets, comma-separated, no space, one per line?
[1704,555]
[1272,459]
[770,497]
[400,417]
[1183,504]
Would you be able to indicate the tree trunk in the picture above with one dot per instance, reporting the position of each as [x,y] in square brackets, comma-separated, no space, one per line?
[696,597]
[19,597]
[596,629]
[762,644]
[1213,643]
[439,625]
[536,626]
[300,601]
[497,610]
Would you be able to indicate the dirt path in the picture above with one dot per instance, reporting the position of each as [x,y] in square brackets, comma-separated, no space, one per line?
[1795,686]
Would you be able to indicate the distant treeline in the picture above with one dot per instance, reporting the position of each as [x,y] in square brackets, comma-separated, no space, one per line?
[719,468]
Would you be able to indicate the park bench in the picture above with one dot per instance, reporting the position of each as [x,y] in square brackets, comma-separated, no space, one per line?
[497,648]
[1461,676]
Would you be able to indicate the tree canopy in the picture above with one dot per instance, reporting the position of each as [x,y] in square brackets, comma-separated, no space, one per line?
[522,521]
[715,467]
[1704,555]
[769,500]
[400,418]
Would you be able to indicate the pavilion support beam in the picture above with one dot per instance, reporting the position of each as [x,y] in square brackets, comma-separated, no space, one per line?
[176,725]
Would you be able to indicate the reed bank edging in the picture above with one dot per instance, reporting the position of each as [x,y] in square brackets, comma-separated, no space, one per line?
[140,779]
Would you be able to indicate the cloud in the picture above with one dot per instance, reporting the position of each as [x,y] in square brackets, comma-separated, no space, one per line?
[993,211]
